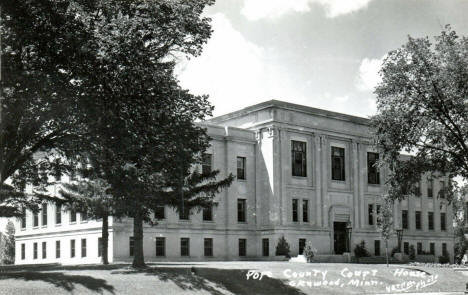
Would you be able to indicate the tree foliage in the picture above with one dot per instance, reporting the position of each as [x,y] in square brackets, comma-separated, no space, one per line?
[385,221]
[8,249]
[422,110]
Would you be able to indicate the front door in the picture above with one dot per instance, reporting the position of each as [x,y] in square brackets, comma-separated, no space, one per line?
[339,239]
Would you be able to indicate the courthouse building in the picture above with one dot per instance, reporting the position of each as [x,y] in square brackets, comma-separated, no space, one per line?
[302,173]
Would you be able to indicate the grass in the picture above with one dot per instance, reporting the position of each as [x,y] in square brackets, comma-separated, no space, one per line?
[218,278]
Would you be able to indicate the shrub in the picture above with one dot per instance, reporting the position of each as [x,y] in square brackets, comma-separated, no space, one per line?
[394,250]
[309,251]
[444,258]
[282,248]
[360,250]
[412,253]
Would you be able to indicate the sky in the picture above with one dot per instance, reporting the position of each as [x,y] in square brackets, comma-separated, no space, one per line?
[319,53]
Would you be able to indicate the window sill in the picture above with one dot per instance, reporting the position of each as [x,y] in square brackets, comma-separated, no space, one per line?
[208,221]
[35,227]
[339,180]
[374,184]
[299,177]
[23,229]
[241,222]
[58,224]
[44,226]
[86,221]
[184,220]
[241,179]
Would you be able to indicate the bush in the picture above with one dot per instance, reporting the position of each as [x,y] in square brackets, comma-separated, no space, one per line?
[394,250]
[444,258]
[282,248]
[309,251]
[360,250]
[412,253]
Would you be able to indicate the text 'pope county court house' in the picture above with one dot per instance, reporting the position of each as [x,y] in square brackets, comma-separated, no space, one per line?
[302,173]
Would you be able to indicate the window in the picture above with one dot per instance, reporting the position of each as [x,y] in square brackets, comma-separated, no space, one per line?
[377,209]
[444,248]
[241,210]
[419,248]
[99,253]
[432,248]
[404,219]
[373,173]
[35,219]
[429,188]
[23,219]
[305,210]
[206,163]
[159,212]
[294,210]
[406,248]
[266,247]
[35,250]
[184,213]
[242,247]
[370,214]
[442,221]
[72,216]
[184,247]
[442,189]
[83,247]
[160,246]
[131,245]
[208,246]
[58,214]
[44,250]
[430,220]
[302,243]
[84,216]
[44,214]
[208,214]
[57,249]
[338,163]
[299,159]
[72,248]
[418,219]
[23,251]
[240,167]
[377,247]
[417,189]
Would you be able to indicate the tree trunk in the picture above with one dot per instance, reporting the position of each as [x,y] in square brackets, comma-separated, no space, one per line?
[386,250]
[105,239]
[138,257]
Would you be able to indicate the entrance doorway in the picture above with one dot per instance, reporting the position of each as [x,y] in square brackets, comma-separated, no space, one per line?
[339,237]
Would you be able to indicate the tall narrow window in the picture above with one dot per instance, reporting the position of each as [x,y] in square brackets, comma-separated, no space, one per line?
[442,189]
[377,211]
[419,248]
[131,245]
[266,247]
[430,220]
[23,219]
[44,214]
[370,214]
[35,251]
[72,248]
[404,219]
[184,247]
[241,210]
[299,158]
[429,188]
[302,243]
[206,163]
[159,212]
[44,250]
[23,251]
[58,214]
[295,217]
[240,167]
[72,216]
[444,248]
[373,174]
[432,248]
[57,249]
[208,247]
[305,210]
[99,241]
[208,213]
[83,247]
[406,248]
[377,247]
[35,219]
[242,247]
[338,163]
[160,246]
[417,216]
[442,221]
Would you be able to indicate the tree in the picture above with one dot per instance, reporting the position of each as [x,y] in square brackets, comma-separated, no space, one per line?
[8,251]
[282,248]
[421,104]
[385,224]
[459,216]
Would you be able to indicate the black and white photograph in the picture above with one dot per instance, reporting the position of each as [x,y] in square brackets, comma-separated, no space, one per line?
[234,147]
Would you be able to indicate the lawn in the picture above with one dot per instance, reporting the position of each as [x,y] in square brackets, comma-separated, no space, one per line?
[231,278]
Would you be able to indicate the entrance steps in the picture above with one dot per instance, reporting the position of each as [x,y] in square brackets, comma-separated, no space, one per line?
[321,259]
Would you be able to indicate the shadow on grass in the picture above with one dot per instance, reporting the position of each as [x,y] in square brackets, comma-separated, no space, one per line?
[61,280]
[215,280]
